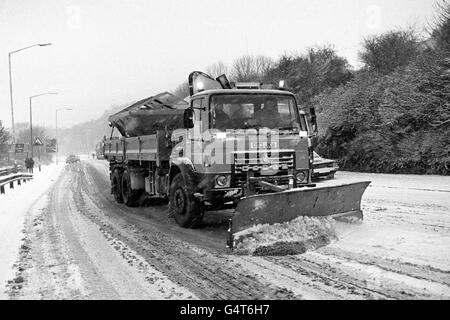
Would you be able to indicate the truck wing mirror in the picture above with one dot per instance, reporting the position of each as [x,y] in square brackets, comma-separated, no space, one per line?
[188,118]
[312,112]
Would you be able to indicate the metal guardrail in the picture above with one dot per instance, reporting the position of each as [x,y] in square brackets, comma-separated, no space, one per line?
[8,170]
[13,177]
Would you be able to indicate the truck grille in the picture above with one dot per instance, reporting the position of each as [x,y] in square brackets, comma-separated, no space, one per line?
[261,164]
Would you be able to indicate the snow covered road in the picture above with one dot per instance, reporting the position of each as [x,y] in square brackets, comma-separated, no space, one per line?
[79,244]
[14,207]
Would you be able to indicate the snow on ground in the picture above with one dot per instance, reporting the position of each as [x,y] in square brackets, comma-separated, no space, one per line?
[293,237]
[400,251]
[15,204]
[406,218]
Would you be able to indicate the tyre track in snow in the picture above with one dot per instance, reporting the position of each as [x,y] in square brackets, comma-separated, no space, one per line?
[370,279]
[69,258]
[312,283]
[207,273]
[332,272]
[170,262]
[310,276]
[423,272]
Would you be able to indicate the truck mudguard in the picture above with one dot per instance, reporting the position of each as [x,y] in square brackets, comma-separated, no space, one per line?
[187,169]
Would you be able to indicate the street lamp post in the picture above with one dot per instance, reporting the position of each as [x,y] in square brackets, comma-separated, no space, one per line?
[31,118]
[10,82]
[56,127]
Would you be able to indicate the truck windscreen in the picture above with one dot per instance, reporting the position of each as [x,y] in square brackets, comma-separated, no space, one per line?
[245,111]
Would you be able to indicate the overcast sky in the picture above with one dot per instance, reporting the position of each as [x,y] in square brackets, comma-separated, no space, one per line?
[108,52]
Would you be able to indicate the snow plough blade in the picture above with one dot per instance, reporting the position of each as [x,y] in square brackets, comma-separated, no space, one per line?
[341,201]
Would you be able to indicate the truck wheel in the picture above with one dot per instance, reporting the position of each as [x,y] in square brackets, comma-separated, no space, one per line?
[186,210]
[129,195]
[115,186]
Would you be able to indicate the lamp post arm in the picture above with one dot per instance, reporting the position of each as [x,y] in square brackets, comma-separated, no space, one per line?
[15,51]
[33,45]
[42,94]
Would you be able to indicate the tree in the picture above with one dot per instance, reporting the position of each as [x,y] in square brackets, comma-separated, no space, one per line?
[251,68]
[390,50]
[396,122]
[4,134]
[182,91]
[217,69]
[441,30]
[282,69]
[311,73]
[4,138]
[23,132]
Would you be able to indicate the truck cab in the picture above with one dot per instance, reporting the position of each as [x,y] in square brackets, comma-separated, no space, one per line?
[233,135]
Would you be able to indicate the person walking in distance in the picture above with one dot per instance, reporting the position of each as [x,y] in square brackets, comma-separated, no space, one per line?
[31,165]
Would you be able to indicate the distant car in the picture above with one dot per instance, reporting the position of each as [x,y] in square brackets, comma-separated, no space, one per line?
[18,168]
[72,159]
[323,167]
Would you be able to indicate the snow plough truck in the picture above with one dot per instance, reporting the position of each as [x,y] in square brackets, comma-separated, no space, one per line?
[240,146]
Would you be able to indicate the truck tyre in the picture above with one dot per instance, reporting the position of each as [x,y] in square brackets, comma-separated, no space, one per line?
[115,186]
[186,210]
[130,197]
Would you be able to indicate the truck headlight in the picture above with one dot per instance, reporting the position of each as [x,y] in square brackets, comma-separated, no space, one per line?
[300,176]
[222,181]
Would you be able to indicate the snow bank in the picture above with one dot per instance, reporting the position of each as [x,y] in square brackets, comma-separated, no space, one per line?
[14,205]
[293,237]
